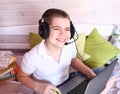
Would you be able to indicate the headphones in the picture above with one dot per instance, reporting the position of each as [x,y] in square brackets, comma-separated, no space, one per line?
[44,30]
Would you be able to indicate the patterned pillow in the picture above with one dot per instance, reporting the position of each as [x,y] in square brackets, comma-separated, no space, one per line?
[115,39]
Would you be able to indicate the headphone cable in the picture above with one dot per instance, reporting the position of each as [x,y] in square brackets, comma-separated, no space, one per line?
[78,54]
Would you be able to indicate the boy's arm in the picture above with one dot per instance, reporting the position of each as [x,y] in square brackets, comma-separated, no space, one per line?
[38,87]
[80,66]
[26,79]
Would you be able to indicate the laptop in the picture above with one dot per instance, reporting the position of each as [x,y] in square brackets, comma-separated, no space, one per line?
[93,86]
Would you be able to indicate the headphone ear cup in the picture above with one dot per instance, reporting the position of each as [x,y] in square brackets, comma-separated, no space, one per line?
[72,30]
[44,30]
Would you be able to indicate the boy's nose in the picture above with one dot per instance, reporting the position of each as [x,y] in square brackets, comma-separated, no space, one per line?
[62,32]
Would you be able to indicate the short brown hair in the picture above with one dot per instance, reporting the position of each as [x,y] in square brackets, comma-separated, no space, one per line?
[53,12]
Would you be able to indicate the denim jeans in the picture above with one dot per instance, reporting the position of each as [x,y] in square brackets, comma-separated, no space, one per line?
[73,74]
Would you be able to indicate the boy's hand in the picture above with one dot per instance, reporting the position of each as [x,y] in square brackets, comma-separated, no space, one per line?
[56,92]
[46,88]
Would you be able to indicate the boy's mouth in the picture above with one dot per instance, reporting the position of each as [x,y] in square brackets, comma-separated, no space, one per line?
[61,40]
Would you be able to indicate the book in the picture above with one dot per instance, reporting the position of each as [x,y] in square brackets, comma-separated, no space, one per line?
[11,75]
[11,60]
[8,74]
[4,62]
[5,58]
[5,53]
[7,77]
[10,68]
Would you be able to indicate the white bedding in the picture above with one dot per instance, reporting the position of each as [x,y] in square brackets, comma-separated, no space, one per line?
[116,87]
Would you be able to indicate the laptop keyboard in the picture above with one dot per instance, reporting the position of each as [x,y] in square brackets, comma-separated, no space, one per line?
[80,88]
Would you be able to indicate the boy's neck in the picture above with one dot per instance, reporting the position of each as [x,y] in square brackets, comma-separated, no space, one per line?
[52,48]
[53,51]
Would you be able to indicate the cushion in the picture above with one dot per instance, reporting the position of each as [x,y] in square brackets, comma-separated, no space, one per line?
[100,50]
[115,37]
[80,43]
[34,39]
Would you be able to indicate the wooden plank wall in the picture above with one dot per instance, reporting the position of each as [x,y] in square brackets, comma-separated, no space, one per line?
[19,17]
[28,12]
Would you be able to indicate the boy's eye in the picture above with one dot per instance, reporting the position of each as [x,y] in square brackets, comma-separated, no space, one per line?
[68,29]
[56,29]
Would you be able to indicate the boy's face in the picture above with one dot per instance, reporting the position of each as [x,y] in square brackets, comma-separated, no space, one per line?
[59,31]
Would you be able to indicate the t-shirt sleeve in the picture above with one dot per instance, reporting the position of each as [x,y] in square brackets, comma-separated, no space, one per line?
[28,64]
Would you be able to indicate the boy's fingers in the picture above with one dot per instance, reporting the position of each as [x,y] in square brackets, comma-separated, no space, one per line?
[56,91]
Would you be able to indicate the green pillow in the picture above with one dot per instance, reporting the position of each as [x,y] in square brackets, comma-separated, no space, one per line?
[100,50]
[34,39]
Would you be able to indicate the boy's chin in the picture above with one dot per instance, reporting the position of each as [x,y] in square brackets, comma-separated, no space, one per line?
[61,45]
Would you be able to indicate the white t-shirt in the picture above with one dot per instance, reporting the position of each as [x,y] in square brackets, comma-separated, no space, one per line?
[44,67]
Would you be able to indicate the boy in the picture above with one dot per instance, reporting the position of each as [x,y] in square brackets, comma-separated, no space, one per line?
[46,66]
